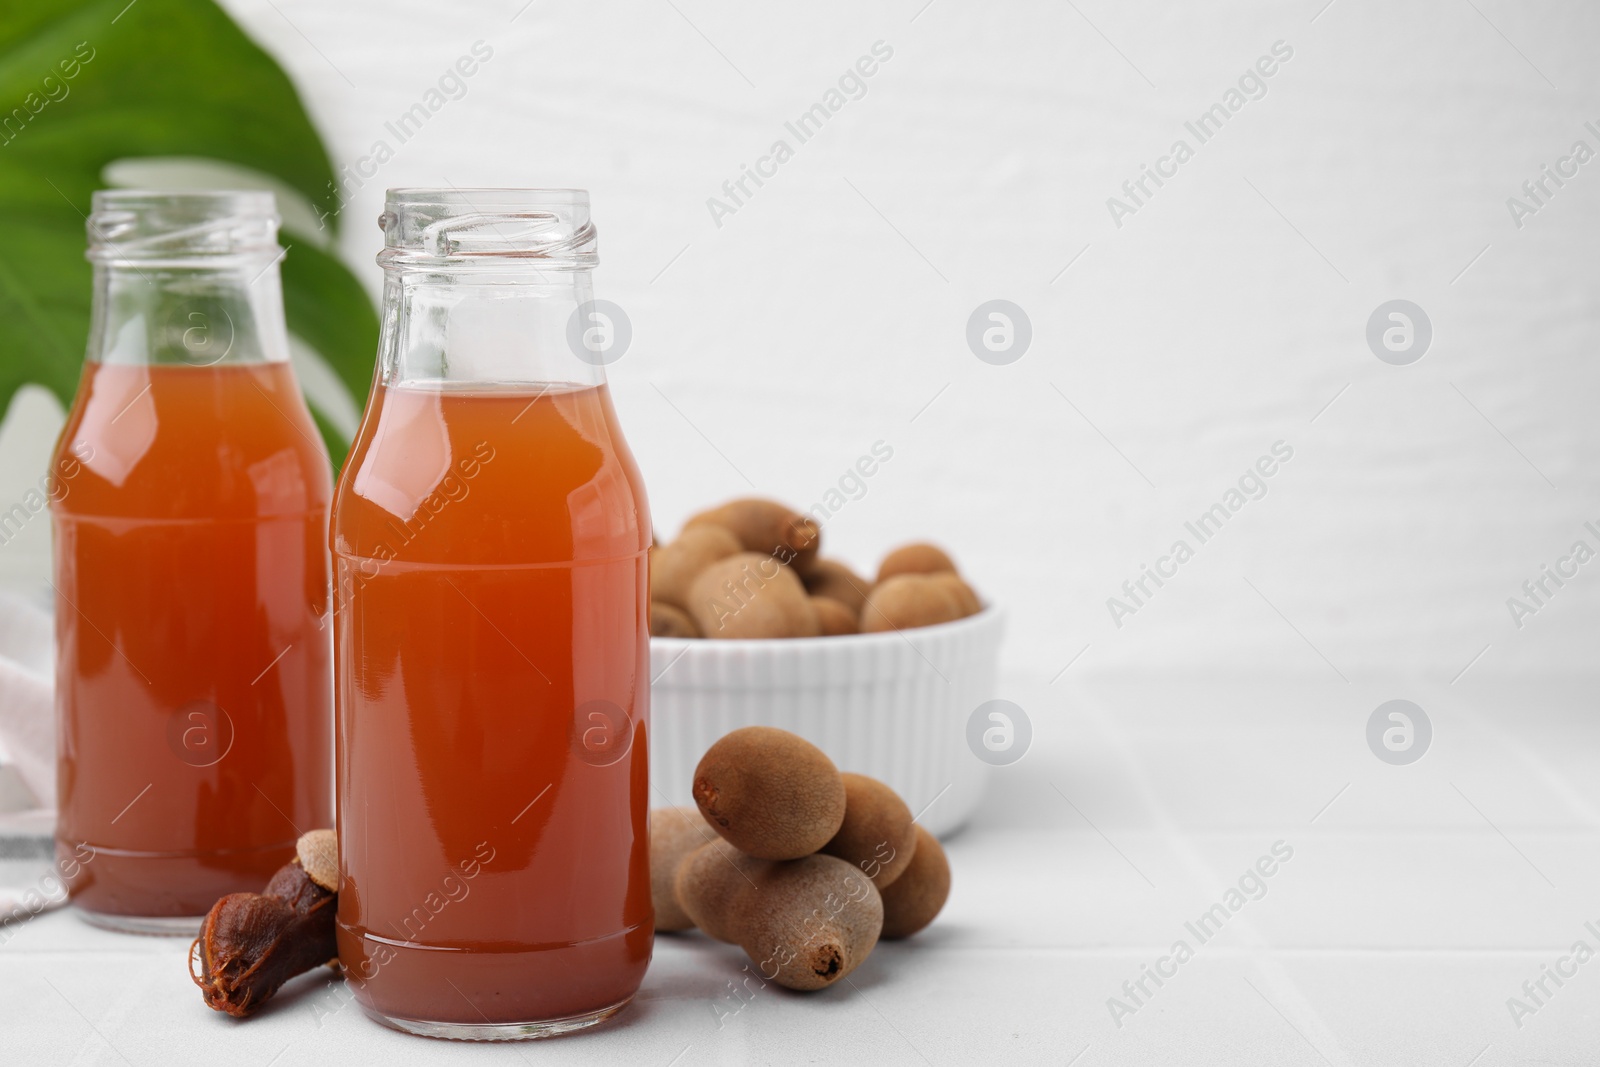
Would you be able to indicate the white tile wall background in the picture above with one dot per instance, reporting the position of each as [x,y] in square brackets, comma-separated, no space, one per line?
[1228,313]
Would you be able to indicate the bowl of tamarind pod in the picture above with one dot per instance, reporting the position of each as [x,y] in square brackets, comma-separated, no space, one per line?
[753,624]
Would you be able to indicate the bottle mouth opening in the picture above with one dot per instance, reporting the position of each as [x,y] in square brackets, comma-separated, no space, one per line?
[493,229]
[137,225]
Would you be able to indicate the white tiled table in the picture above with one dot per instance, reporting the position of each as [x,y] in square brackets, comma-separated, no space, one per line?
[1416,903]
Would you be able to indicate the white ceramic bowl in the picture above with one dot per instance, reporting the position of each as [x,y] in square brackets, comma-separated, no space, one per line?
[891,705]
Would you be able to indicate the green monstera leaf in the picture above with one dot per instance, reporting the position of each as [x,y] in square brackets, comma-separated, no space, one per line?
[86,83]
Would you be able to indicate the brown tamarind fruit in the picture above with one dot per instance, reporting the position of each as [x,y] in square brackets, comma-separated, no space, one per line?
[768,527]
[963,593]
[772,794]
[805,923]
[750,595]
[830,578]
[705,894]
[250,944]
[834,619]
[674,833]
[905,601]
[674,567]
[918,557]
[669,621]
[877,834]
[921,890]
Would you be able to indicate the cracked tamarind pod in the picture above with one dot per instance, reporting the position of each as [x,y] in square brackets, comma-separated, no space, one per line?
[805,923]
[252,943]
[772,794]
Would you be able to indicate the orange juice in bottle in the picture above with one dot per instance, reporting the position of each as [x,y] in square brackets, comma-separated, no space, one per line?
[193,672]
[489,537]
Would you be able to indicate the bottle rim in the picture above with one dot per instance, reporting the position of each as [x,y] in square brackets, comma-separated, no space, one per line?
[485,197]
[494,229]
[181,225]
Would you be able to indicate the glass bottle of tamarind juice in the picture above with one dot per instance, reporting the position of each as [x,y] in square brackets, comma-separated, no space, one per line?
[489,539]
[189,507]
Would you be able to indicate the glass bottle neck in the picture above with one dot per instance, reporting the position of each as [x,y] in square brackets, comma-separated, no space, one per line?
[488,326]
[196,315]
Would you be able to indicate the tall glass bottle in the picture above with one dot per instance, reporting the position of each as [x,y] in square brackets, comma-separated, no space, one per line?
[489,535]
[193,674]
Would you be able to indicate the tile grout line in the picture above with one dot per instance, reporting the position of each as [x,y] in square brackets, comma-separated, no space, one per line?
[1551,777]
[1290,999]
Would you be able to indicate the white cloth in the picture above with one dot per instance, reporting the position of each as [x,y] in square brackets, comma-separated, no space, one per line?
[29,883]
[27,705]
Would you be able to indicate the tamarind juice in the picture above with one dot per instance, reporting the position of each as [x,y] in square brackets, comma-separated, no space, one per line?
[492,638]
[194,682]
